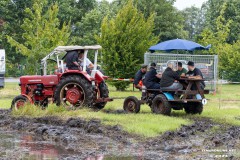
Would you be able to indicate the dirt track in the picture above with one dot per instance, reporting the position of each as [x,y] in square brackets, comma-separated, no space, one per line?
[80,139]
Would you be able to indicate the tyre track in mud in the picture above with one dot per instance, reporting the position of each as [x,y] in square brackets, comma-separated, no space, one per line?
[203,139]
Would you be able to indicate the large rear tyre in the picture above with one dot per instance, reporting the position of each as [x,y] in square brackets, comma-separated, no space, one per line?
[131,105]
[160,105]
[193,108]
[74,92]
[104,93]
[18,102]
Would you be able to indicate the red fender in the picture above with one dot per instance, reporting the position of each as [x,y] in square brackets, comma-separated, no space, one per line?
[29,98]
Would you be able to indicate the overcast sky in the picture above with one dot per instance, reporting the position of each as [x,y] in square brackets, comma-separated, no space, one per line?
[182,4]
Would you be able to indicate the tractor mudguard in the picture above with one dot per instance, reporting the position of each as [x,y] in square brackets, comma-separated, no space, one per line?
[168,95]
[76,72]
[99,77]
[28,98]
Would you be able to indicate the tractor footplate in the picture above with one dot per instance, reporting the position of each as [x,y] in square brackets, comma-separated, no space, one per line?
[99,100]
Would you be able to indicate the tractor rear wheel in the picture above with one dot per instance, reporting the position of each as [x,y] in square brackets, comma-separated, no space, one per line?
[104,93]
[18,102]
[160,105]
[131,105]
[73,92]
[193,108]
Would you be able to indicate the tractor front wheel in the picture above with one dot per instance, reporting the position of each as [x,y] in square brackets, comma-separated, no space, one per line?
[73,92]
[160,105]
[131,105]
[18,102]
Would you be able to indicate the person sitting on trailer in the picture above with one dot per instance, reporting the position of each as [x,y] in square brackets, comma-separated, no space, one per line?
[170,79]
[139,77]
[152,78]
[195,73]
[181,71]
[72,60]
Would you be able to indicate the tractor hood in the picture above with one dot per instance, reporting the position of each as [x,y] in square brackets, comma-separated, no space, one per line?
[45,80]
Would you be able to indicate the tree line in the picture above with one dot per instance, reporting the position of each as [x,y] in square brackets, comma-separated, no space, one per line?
[125,28]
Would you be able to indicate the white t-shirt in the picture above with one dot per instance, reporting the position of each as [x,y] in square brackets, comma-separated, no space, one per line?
[88,62]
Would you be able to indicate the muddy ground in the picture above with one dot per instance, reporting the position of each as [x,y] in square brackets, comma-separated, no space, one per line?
[76,138]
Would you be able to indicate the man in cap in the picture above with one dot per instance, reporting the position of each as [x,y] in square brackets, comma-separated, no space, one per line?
[195,72]
[152,78]
[139,76]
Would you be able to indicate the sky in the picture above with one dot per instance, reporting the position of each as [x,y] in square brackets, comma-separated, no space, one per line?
[182,4]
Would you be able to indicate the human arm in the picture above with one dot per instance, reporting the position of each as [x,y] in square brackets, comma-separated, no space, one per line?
[159,75]
[89,64]
[137,79]
[197,74]
[75,59]
[175,75]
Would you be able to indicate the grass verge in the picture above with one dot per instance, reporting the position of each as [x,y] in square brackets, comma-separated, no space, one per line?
[145,123]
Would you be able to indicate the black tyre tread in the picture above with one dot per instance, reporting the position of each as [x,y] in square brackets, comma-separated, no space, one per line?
[104,93]
[19,97]
[135,100]
[87,87]
[166,110]
[193,108]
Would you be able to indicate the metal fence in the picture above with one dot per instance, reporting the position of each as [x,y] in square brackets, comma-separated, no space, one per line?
[206,63]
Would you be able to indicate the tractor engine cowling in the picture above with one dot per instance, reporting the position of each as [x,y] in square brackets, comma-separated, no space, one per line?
[38,89]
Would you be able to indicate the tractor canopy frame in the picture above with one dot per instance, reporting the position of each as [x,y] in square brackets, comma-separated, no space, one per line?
[62,50]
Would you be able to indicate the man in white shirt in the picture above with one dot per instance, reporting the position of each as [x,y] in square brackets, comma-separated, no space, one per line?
[89,64]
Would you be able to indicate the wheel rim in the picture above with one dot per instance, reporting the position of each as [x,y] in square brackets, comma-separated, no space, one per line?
[160,106]
[131,106]
[19,103]
[72,95]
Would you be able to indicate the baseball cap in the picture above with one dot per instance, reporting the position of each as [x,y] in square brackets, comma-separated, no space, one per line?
[190,63]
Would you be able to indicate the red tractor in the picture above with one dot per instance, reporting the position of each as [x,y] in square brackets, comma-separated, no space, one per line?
[69,88]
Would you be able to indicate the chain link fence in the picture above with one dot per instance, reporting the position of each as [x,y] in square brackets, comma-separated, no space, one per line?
[208,64]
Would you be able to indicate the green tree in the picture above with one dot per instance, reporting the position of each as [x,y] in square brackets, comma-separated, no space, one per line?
[90,25]
[194,21]
[42,33]
[125,38]
[12,15]
[168,21]
[229,58]
[232,13]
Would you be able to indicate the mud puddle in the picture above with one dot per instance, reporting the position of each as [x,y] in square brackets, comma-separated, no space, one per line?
[75,138]
[25,146]
[17,145]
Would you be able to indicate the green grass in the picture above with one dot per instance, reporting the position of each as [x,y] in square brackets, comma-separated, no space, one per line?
[145,123]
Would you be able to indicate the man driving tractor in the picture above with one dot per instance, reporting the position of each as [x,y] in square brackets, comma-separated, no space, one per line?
[74,60]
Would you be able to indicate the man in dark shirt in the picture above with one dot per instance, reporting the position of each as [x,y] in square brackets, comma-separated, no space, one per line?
[181,71]
[139,76]
[195,72]
[169,79]
[72,60]
[152,78]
